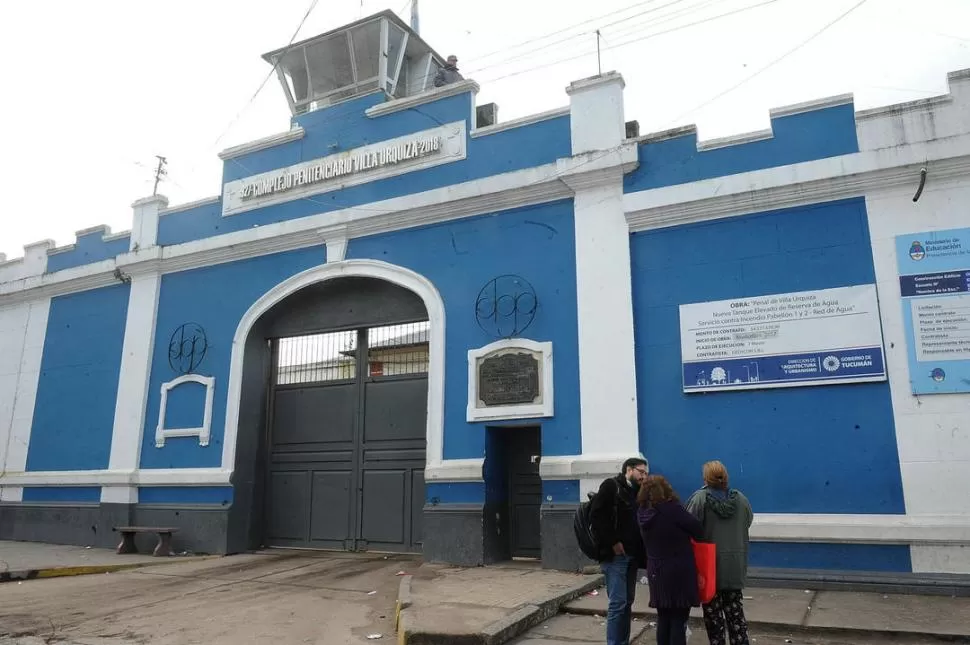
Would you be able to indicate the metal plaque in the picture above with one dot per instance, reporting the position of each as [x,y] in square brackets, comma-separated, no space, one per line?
[508,379]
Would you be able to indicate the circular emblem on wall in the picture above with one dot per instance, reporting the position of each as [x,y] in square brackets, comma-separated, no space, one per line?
[831,363]
[187,348]
[938,375]
[916,251]
[506,306]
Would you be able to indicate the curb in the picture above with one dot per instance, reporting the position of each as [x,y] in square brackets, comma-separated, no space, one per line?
[505,629]
[66,572]
[403,602]
[851,633]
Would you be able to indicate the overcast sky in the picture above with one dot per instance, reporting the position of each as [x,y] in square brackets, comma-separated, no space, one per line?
[93,90]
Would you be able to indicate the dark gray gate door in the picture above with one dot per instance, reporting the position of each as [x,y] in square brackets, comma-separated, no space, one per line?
[347,440]
[525,490]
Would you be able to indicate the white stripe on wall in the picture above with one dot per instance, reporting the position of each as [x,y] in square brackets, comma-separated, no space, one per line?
[133,382]
[25,340]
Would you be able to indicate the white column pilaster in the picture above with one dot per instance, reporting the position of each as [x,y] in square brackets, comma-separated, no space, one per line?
[136,363]
[136,355]
[144,224]
[27,344]
[607,371]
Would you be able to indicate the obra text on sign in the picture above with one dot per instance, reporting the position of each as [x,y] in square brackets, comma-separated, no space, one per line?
[348,165]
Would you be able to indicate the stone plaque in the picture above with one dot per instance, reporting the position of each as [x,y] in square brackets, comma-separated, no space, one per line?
[508,379]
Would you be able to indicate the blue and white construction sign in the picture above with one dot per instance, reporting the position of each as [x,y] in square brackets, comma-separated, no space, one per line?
[934,282]
[783,340]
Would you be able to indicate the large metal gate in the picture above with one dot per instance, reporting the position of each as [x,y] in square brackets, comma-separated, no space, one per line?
[347,439]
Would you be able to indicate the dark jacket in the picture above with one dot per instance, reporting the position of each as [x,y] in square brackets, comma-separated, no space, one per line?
[667,529]
[620,526]
[447,75]
[726,516]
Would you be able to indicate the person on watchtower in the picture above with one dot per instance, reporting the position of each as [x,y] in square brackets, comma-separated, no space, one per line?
[449,73]
[613,514]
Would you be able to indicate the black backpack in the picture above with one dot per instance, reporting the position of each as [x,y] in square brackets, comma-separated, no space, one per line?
[583,527]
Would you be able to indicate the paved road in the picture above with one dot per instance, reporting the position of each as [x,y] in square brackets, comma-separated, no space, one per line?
[258,598]
[576,630]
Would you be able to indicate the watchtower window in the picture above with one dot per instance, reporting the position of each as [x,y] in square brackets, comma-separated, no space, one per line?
[379,52]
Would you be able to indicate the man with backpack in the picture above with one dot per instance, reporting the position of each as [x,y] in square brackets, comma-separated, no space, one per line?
[613,519]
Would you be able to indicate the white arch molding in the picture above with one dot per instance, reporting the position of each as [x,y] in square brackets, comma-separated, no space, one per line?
[345,269]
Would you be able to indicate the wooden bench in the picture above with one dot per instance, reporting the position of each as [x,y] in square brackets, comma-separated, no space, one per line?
[162,549]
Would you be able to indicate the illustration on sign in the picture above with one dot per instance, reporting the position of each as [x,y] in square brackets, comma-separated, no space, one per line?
[934,282]
[783,340]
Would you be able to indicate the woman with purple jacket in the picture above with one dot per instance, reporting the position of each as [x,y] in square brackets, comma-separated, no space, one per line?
[667,528]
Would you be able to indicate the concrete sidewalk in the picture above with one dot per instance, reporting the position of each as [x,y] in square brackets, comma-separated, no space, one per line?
[494,604]
[490,605]
[807,611]
[30,560]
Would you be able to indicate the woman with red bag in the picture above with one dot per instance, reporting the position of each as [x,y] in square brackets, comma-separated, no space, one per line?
[726,515]
[667,529]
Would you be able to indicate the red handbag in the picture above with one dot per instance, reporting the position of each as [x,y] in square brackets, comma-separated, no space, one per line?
[705,557]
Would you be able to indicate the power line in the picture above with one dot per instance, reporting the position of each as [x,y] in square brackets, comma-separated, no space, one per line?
[577,35]
[774,62]
[628,27]
[635,40]
[259,89]
[563,30]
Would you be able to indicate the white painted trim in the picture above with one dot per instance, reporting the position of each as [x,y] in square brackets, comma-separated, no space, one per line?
[25,397]
[595,82]
[958,75]
[144,221]
[120,235]
[121,478]
[866,529]
[273,140]
[162,433]
[428,96]
[607,366]
[455,470]
[491,194]
[810,182]
[104,229]
[735,140]
[811,106]
[400,276]
[57,250]
[519,123]
[919,105]
[544,408]
[336,249]
[665,135]
[187,206]
[586,466]
[128,429]
[119,494]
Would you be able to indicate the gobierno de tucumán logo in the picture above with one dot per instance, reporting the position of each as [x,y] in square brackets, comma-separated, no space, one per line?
[916,251]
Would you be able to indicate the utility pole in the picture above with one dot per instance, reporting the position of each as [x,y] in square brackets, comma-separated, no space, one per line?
[159,172]
[415,22]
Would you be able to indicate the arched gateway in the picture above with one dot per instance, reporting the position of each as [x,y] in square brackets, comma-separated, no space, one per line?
[334,409]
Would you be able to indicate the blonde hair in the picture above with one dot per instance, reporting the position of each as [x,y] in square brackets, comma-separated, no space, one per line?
[716,475]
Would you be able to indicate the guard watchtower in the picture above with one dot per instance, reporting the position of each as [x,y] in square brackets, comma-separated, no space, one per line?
[379,52]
